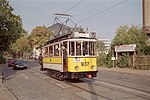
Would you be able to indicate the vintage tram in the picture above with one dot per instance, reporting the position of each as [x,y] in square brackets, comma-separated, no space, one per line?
[71,55]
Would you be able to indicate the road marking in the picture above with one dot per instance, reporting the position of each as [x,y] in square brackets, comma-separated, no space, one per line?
[60,86]
[36,74]
[124,88]
[26,77]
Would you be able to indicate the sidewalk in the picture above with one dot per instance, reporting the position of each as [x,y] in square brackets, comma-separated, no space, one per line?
[127,70]
[5,94]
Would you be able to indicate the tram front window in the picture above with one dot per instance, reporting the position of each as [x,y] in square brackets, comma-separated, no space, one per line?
[85,48]
[92,48]
[81,48]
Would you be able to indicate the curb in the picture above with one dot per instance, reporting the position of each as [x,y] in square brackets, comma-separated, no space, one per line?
[127,71]
[1,73]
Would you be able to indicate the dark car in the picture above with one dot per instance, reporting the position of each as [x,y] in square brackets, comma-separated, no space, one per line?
[20,64]
[10,63]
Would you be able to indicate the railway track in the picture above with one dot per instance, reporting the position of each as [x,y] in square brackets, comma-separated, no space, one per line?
[122,88]
[117,87]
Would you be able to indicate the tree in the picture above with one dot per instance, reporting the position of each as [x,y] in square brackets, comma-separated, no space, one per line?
[39,36]
[100,47]
[131,35]
[102,58]
[10,25]
[21,46]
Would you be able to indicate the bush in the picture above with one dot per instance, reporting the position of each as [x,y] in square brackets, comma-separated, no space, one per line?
[104,60]
[123,61]
[2,60]
[101,61]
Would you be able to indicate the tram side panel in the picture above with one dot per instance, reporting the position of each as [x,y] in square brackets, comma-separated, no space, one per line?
[53,63]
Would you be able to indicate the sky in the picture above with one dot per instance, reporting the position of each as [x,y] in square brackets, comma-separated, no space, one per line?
[40,12]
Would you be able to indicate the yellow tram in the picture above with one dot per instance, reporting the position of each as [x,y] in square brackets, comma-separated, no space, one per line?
[71,55]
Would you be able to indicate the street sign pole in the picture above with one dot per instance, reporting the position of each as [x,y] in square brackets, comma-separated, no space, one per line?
[113,59]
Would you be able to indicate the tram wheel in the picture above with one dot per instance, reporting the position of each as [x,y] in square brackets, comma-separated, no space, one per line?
[61,77]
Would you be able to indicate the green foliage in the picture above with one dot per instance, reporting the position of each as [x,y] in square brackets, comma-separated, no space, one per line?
[145,50]
[2,59]
[123,61]
[109,61]
[101,60]
[10,25]
[104,60]
[21,45]
[100,47]
[130,35]
[39,36]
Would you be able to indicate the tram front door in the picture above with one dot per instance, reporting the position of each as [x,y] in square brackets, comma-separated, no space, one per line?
[65,61]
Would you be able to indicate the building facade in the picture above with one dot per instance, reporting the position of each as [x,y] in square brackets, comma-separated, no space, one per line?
[146,16]
[106,43]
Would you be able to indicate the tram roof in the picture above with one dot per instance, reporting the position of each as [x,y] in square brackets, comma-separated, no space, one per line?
[71,35]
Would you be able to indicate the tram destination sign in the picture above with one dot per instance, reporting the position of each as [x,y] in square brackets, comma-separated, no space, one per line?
[77,34]
[125,48]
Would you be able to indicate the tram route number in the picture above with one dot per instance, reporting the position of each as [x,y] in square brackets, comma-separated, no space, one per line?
[84,63]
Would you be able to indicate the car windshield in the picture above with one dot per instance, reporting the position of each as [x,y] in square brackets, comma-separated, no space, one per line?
[19,61]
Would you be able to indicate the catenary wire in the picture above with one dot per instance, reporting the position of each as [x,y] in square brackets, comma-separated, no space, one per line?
[73,6]
[68,10]
[103,11]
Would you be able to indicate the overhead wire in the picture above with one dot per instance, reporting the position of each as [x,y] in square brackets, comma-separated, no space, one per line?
[73,6]
[103,10]
[68,10]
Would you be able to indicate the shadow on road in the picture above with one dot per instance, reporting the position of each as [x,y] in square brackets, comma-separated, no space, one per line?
[91,88]
[74,81]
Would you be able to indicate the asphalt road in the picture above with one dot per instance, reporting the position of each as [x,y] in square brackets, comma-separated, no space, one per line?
[33,84]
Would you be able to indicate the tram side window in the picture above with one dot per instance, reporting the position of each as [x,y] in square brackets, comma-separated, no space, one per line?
[65,50]
[51,51]
[65,44]
[46,52]
[78,48]
[85,48]
[72,49]
[56,50]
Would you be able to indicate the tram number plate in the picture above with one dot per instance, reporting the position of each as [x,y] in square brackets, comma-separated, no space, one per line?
[84,63]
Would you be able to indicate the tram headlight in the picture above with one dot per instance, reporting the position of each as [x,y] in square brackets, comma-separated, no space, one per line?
[92,67]
[76,67]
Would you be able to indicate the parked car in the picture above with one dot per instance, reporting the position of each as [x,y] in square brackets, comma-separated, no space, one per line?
[10,63]
[20,64]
